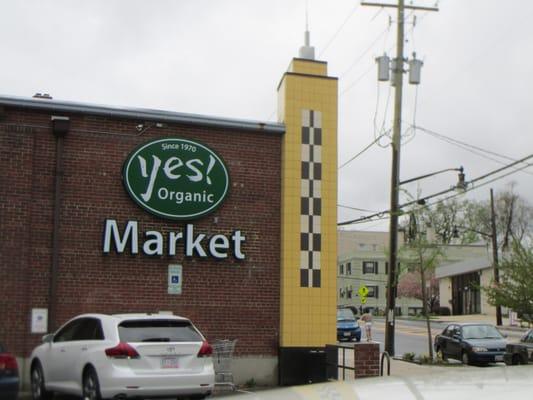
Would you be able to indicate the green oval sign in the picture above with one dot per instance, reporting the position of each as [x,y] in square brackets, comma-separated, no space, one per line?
[176,178]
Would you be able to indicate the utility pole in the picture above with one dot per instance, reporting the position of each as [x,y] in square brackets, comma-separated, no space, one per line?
[395,173]
[495,254]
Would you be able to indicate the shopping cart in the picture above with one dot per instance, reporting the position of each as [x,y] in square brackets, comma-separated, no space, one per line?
[222,353]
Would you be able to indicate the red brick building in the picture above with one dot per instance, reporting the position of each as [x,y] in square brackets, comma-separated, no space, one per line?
[230,223]
[62,180]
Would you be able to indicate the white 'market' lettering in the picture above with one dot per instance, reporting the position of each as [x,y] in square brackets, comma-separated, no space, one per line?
[111,228]
[218,245]
[153,247]
[194,243]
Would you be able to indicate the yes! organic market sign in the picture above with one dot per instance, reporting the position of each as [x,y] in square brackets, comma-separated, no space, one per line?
[176,178]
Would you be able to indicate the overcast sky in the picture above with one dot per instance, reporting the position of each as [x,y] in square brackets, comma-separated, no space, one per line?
[226,57]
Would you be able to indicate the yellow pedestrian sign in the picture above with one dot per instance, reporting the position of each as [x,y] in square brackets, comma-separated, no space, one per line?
[363,292]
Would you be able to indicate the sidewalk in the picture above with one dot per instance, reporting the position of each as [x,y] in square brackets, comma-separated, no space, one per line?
[405,368]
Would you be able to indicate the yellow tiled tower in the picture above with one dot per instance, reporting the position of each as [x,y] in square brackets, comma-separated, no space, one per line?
[307,105]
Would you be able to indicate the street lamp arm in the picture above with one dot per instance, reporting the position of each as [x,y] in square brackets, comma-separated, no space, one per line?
[465,229]
[460,169]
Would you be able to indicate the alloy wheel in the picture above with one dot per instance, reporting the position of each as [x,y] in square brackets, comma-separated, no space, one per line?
[90,387]
[36,383]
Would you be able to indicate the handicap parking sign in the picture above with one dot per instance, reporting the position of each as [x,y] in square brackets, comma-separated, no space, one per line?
[174,278]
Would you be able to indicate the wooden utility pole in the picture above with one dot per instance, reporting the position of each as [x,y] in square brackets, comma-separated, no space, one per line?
[395,173]
[494,238]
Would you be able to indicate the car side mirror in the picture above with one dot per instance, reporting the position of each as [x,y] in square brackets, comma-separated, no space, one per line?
[48,338]
[456,336]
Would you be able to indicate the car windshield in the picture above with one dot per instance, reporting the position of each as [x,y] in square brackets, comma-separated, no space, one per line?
[345,314]
[481,332]
[158,331]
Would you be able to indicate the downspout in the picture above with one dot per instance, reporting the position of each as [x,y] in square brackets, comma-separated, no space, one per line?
[60,127]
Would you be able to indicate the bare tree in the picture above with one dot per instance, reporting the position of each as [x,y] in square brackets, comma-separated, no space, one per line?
[514,216]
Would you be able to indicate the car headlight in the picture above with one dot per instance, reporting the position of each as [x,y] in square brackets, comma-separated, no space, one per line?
[478,349]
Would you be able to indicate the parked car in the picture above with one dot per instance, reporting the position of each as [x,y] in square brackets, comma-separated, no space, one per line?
[521,352]
[471,343]
[117,356]
[9,375]
[347,326]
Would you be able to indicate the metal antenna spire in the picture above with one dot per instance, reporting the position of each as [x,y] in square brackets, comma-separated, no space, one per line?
[307,19]
[307,51]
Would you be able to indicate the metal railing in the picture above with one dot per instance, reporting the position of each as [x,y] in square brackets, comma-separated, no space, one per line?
[383,355]
[338,365]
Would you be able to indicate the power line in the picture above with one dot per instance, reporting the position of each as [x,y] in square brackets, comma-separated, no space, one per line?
[452,140]
[468,147]
[363,54]
[362,151]
[477,187]
[355,208]
[330,41]
[424,199]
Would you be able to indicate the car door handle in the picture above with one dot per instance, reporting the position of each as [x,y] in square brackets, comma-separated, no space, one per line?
[62,350]
[84,348]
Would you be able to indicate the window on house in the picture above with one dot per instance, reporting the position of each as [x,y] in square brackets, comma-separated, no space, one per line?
[341,293]
[341,269]
[386,267]
[349,268]
[349,292]
[370,267]
[373,291]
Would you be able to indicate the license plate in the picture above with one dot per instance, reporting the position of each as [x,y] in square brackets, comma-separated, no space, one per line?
[498,358]
[346,333]
[169,362]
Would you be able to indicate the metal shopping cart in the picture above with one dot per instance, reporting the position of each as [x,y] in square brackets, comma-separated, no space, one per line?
[222,353]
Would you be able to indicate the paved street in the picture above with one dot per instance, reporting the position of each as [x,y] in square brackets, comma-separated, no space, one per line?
[411,335]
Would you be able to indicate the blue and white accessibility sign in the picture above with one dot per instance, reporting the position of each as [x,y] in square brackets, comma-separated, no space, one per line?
[174,278]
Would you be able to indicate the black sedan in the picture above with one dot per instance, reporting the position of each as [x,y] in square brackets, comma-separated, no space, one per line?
[471,343]
[9,375]
[521,352]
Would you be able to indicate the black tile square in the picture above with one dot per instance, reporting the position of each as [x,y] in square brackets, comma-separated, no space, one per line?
[304,241]
[316,278]
[317,241]
[317,171]
[317,138]
[305,170]
[304,278]
[305,135]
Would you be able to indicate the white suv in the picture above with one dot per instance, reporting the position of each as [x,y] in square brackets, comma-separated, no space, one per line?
[129,355]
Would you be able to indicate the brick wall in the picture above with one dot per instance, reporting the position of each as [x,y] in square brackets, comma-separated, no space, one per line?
[225,299]
[366,359]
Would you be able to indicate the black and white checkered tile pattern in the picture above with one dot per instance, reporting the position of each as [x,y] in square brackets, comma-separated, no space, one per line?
[311,199]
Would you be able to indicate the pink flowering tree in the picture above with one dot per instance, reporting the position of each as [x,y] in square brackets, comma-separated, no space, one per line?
[409,286]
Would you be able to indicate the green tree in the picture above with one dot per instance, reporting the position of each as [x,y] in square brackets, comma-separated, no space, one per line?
[515,289]
[422,257]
